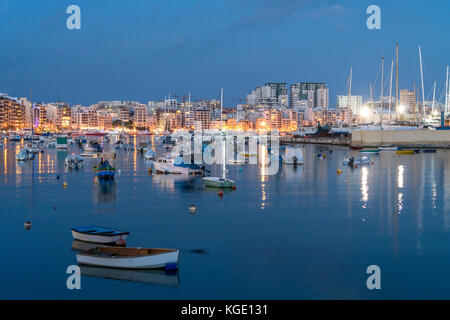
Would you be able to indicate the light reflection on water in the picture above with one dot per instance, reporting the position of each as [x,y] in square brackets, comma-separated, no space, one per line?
[311,241]
[364,187]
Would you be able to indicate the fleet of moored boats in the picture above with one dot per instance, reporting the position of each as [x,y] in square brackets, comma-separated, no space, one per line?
[98,248]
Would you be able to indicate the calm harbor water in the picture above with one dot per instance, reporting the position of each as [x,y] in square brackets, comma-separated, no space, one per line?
[304,233]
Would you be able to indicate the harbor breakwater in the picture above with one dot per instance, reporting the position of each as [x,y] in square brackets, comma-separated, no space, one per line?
[337,140]
[420,138]
[402,138]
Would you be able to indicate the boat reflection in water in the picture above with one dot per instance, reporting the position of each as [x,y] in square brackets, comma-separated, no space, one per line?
[218,190]
[153,277]
[157,277]
[169,182]
[104,190]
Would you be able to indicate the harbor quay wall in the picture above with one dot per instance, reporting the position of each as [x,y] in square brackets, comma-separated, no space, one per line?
[338,140]
[407,138]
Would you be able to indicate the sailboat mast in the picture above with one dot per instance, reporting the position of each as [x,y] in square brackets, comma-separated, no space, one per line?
[421,78]
[223,137]
[447,91]
[396,81]
[434,95]
[350,84]
[382,76]
[221,104]
[390,89]
[32,115]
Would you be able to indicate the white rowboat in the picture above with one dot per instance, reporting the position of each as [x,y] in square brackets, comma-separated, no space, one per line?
[129,258]
[98,234]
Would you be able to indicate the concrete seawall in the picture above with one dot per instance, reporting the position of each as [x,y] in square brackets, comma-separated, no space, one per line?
[340,141]
[407,138]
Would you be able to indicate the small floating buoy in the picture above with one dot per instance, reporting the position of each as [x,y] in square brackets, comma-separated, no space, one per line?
[338,171]
[240,169]
[192,209]
[220,193]
[363,219]
[65,184]
[57,176]
[121,242]
[27,225]
[119,171]
[54,208]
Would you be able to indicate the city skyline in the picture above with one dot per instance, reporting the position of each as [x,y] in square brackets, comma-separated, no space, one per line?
[167,47]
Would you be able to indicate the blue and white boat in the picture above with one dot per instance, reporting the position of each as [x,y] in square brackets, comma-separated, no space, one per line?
[104,170]
[98,234]
[176,165]
[22,156]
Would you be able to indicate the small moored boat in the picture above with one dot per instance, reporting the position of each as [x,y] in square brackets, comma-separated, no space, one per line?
[129,258]
[98,234]
[358,161]
[388,148]
[293,156]
[217,182]
[371,151]
[176,166]
[149,155]
[405,152]
[74,161]
[22,155]
[104,170]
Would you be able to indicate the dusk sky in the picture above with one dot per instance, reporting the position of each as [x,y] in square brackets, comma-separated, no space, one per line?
[143,49]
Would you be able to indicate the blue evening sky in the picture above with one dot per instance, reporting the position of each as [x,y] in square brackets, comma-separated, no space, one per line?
[143,49]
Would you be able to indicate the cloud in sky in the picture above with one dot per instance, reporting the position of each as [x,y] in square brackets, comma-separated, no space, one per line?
[249,14]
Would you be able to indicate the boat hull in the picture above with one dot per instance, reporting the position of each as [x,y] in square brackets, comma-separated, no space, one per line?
[219,183]
[405,152]
[162,167]
[156,261]
[376,151]
[105,174]
[97,238]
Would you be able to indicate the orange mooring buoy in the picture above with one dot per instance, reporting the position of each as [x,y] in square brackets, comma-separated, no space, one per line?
[220,193]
